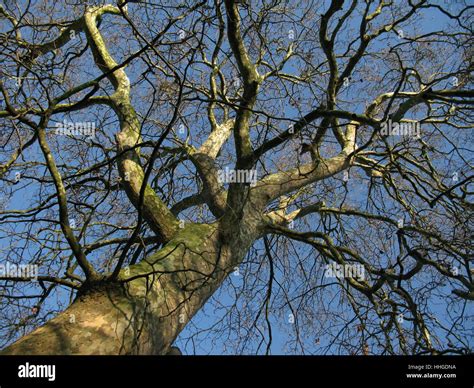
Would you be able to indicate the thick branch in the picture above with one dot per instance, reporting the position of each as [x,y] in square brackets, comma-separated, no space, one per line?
[155,212]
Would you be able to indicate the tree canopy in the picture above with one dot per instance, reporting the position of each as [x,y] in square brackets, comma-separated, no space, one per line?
[264,176]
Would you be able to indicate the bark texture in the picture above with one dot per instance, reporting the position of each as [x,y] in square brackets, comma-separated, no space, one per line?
[144,313]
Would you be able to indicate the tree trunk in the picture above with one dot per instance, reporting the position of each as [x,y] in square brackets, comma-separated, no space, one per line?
[144,314]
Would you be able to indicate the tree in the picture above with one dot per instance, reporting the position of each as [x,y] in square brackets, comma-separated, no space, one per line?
[319,151]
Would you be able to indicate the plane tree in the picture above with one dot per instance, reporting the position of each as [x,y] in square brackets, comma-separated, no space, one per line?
[352,118]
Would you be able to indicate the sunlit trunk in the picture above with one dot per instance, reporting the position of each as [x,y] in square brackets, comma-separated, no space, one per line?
[146,313]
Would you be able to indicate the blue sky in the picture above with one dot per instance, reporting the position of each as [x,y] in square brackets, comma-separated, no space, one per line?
[250,297]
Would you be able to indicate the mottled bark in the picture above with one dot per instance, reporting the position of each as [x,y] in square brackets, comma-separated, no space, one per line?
[144,313]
